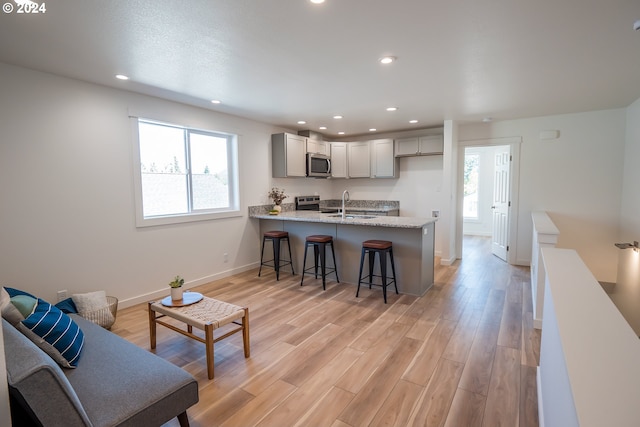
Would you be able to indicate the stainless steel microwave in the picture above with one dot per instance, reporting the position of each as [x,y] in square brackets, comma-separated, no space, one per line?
[318,165]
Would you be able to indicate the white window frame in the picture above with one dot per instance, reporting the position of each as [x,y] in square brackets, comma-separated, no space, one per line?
[194,215]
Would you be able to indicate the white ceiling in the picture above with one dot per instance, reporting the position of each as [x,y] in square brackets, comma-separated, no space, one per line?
[280,61]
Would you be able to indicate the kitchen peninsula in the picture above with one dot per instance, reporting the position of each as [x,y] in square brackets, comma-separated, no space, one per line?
[412,237]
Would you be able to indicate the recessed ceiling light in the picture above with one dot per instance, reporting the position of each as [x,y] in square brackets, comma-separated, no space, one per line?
[487,119]
[413,121]
[121,77]
[215,101]
[317,1]
[387,59]
[373,130]
[337,117]
[322,128]
[340,133]
[302,122]
[392,108]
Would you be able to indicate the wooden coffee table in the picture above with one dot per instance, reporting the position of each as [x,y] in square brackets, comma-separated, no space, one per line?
[205,314]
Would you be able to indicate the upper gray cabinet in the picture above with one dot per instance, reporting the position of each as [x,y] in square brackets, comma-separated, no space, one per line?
[363,159]
[429,145]
[288,155]
[317,147]
[339,163]
[358,159]
[383,162]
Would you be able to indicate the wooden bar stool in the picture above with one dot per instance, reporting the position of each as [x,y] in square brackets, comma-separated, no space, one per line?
[319,243]
[276,238]
[382,248]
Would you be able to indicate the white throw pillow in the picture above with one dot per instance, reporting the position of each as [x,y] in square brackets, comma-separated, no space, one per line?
[94,307]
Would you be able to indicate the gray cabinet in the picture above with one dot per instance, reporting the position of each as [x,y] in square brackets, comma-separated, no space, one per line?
[383,161]
[430,145]
[358,159]
[317,147]
[339,160]
[288,155]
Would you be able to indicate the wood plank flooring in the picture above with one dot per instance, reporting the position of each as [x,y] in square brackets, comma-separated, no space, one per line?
[462,355]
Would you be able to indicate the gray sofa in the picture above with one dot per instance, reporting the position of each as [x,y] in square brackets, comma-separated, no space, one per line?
[116,383]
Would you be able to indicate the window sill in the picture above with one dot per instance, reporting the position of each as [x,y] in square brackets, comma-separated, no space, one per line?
[180,219]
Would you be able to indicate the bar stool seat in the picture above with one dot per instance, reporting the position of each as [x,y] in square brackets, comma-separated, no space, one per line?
[319,243]
[276,237]
[382,248]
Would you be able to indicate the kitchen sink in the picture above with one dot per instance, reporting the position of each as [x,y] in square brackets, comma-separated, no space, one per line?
[353,216]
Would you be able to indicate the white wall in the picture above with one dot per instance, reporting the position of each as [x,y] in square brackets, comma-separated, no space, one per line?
[626,294]
[576,178]
[66,193]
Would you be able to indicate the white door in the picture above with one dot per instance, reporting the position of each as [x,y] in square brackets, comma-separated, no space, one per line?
[500,206]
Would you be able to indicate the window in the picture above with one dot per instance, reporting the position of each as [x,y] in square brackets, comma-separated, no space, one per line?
[184,174]
[471,167]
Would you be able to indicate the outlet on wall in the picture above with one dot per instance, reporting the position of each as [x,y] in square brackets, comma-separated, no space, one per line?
[225,257]
[435,213]
[62,295]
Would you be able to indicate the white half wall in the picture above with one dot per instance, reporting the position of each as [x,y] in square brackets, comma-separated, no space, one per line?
[626,293]
[576,179]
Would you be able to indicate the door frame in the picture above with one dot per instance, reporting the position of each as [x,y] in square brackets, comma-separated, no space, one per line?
[514,179]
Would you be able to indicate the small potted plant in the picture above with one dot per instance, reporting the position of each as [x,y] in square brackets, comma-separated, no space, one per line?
[277,195]
[176,288]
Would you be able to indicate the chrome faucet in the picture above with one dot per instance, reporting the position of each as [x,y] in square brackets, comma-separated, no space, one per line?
[345,198]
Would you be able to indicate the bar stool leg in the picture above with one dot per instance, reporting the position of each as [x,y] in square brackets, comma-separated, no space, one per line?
[383,273]
[372,262]
[360,273]
[323,262]
[393,270]
[304,263]
[316,258]
[333,253]
[290,259]
[261,255]
[276,257]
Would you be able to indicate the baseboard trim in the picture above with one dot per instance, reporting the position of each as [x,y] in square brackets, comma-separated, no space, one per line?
[537,323]
[161,293]
[447,261]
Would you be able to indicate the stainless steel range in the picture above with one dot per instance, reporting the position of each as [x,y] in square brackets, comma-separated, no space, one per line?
[307,203]
[312,203]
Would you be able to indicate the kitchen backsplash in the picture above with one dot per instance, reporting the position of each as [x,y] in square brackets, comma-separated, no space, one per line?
[369,204]
[332,203]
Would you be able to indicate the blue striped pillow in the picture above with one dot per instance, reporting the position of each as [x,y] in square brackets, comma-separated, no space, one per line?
[56,333]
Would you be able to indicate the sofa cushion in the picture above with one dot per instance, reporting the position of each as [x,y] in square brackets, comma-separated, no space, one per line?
[55,333]
[41,382]
[114,373]
[25,304]
[9,311]
[67,306]
[13,292]
[94,307]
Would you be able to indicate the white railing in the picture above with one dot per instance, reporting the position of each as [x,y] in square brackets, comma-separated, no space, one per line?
[545,235]
[589,374]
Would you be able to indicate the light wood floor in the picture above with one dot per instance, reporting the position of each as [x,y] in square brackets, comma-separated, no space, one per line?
[464,354]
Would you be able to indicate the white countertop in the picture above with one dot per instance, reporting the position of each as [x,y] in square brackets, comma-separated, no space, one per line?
[378,221]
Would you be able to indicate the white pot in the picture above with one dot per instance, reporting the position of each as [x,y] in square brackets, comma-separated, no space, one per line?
[176,293]
[277,208]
